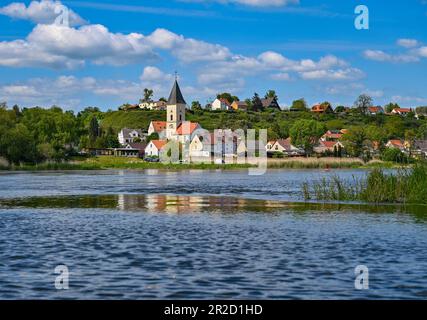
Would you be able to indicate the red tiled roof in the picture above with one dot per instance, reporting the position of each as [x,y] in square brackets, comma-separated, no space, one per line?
[285,143]
[187,128]
[159,126]
[159,143]
[375,109]
[396,143]
[402,110]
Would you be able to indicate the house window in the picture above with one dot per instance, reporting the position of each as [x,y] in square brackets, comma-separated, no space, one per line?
[180,117]
[171,117]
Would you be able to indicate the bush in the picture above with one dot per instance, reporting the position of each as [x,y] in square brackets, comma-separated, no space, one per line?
[394,155]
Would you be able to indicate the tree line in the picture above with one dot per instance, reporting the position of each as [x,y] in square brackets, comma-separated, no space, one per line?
[32,135]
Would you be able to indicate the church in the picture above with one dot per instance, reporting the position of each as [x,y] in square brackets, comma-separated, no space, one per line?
[199,142]
[175,128]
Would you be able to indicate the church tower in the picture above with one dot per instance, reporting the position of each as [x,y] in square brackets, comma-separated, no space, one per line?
[175,110]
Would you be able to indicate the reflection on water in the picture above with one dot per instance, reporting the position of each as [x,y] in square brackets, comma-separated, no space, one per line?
[176,204]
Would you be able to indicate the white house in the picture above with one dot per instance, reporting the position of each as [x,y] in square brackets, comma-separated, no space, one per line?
[154,148]
[221,104]
[153,105]
[269,145]
[130,135]
[401,111]
[285,146]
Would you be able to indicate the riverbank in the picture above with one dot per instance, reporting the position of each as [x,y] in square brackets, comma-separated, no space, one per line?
[105,163]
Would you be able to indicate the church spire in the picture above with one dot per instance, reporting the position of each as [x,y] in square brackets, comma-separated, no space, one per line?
[176,96]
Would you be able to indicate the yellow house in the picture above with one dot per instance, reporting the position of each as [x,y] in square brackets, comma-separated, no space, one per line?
[239,105]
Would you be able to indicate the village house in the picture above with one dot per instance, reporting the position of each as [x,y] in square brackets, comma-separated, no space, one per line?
[270,103]
[221,104]
[401,111]
[397,144]
[186,132]
[333,135]
[153,105]
[269,145]
[224,144]
[239,105]
[130,135]
[373,111]
[329,147]
[154,148]
[158,127]
[137,146]
[285,146]
[322,108]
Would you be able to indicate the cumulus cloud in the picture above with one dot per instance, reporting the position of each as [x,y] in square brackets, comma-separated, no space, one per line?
[60,46]
[407,43]
[378,55]
[43,12]
[187,49]
[326,68]
[328,74]
[414,53]
[283,76]
[64,89]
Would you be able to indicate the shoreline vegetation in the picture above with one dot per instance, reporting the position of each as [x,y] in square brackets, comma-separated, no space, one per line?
[106,162]
[406,186]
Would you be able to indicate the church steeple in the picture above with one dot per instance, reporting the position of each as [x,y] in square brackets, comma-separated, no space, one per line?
[175,114]
[175,96]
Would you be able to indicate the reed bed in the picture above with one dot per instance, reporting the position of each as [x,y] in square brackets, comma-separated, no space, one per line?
[406,185]
[315,163]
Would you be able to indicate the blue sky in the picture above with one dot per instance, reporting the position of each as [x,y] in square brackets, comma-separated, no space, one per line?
[111,50]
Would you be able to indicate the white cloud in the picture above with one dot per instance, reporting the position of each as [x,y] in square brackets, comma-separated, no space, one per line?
[43,12]
[283,76]
[273,65]
[407,43]
[413,53]
[187,49]
[422,52]
[155,74]
[59,46]
[68,91]
[337,74]
[378,55]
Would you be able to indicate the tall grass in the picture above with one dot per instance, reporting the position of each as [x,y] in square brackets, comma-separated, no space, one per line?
[102,163]
[404,186]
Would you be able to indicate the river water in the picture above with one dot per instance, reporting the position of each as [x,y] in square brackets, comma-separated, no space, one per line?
[201,235]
